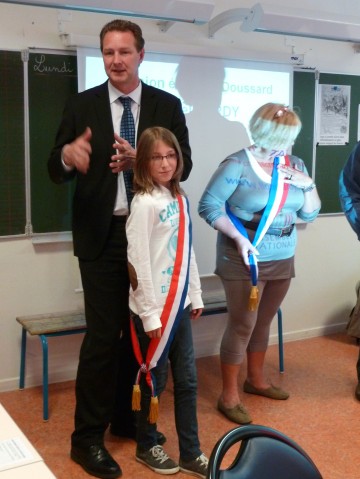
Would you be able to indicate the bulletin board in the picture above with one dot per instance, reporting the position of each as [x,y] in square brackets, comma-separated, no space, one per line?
[328,160]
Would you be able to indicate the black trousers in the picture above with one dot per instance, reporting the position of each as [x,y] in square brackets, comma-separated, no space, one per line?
[107,366]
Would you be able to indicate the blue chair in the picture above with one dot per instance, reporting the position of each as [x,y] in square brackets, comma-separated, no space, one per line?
[264,453]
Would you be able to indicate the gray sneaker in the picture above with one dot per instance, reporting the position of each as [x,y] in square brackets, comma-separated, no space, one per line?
[197,467]
[157,460]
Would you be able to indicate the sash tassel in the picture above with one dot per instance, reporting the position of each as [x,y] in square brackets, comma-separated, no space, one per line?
[154,410]
[136,398]
[136,395]
[253,298]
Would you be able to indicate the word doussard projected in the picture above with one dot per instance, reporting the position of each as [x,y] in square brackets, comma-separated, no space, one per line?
[218,98]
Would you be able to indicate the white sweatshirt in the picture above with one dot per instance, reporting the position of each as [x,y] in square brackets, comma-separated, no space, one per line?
[152,231]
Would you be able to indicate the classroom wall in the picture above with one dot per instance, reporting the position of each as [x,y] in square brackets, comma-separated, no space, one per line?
[44,278]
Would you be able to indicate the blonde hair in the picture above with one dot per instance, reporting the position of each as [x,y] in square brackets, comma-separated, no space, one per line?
[143,181]
[274,126]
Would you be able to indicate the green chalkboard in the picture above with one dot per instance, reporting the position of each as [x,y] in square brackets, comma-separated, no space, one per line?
[328,160]
[331,159]
[304,104]
[12,151]
[52,79]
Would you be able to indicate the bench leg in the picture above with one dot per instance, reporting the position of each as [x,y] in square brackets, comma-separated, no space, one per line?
[45,377]
[281,342]
[22,359]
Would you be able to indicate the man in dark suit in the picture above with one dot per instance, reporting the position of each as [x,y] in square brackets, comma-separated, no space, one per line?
[89,148]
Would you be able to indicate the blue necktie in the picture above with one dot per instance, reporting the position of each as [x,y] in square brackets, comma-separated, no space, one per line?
[127,131]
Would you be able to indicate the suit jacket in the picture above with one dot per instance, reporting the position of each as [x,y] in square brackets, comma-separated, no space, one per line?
[95,192]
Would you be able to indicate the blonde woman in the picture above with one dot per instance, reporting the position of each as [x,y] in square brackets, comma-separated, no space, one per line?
[253,200]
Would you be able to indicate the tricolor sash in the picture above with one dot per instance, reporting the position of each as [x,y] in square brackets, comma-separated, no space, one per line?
[277,196]
[171,314]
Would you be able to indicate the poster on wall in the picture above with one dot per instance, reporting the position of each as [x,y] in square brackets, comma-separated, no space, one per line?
[333,114]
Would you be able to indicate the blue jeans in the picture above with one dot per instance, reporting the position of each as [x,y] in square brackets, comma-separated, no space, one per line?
[182,362]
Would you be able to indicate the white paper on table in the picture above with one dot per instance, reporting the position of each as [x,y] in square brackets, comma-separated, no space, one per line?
[13,452]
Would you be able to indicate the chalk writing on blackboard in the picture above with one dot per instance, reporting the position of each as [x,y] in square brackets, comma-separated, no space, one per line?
[41,65]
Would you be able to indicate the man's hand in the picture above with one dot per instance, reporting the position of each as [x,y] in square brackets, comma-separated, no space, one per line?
[77,154]
[125,156]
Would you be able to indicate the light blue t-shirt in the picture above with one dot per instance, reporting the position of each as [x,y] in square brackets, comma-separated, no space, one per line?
[239,182]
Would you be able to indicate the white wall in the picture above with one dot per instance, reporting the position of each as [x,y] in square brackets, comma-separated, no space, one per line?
[43,278]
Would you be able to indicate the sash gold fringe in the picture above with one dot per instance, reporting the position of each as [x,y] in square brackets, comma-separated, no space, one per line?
[253,298]
[136,398]
[154,410]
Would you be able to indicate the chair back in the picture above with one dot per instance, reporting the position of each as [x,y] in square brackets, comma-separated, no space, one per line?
[264,453]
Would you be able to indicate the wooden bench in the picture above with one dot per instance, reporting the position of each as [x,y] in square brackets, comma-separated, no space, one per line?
[73,322]
[47,326]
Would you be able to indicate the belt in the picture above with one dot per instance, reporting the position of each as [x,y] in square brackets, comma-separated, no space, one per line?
[251,225]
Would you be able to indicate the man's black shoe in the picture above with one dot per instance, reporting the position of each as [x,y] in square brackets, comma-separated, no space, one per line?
[131,434]
[96,461]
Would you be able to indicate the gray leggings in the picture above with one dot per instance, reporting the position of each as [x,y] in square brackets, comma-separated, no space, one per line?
[249,330]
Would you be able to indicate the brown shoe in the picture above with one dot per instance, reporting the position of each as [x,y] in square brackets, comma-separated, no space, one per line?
[271,392]
[357,392]
[236,414]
